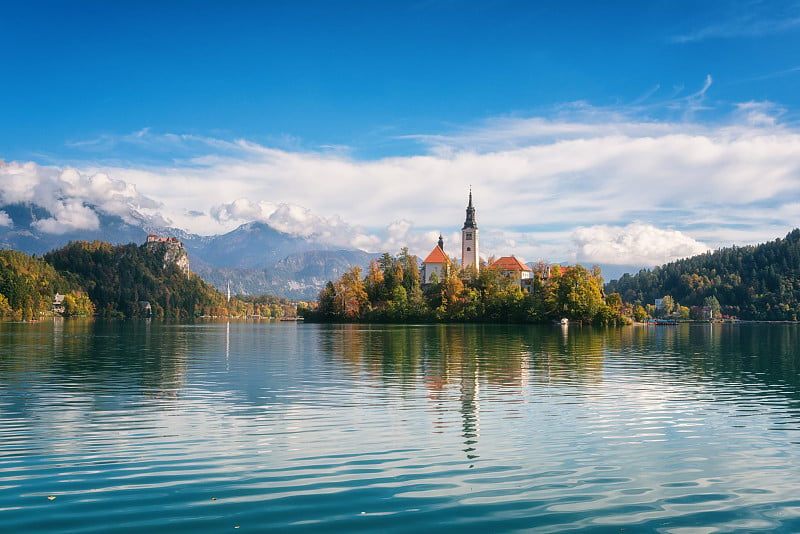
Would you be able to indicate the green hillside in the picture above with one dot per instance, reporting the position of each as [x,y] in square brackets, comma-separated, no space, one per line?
[119,278]
[28,285]
[759,282]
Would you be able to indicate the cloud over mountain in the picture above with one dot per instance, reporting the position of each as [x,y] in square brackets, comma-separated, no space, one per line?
[564,187]
[68,195]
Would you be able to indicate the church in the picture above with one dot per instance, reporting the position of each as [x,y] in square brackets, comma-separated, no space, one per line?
[437,261]
[436,264]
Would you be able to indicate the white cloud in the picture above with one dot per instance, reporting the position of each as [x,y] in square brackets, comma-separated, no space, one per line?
[5,220]
[636,244]
[535,180]
[759,114]
[70,196]
[68,216]
[755,23]
[297,220]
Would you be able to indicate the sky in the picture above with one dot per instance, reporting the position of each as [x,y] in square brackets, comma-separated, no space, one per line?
[596,132]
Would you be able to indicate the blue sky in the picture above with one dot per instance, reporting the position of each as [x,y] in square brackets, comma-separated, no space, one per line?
[590,131]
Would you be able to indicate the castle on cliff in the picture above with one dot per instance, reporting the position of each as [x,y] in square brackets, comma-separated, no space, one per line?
[174,253]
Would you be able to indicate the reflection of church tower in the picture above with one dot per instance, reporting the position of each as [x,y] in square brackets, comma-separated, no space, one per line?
[470,410]
[469,238]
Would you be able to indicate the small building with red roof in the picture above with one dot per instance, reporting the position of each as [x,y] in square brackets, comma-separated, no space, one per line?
[437,263]
[512,267]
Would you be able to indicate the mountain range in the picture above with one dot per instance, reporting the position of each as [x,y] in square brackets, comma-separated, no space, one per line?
[254,258]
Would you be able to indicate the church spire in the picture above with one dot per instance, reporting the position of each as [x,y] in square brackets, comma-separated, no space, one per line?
[469,238]
[441,242]
[470,221]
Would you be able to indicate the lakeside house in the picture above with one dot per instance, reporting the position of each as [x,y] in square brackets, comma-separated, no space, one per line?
[58,303]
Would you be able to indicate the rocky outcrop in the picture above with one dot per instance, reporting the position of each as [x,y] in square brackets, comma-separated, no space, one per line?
[171,250]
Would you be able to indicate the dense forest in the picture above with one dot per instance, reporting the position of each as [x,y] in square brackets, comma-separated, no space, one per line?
[391,291]
[759,282]
[28,286]
[118,278]
[116,281]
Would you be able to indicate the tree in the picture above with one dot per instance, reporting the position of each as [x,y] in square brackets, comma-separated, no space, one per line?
[614,301]
[712,303]
[5,307]
[574,292]
[667,305]
[410,270]
[326,306]
[374,282]
[451,288]
[77,303]
[351,295]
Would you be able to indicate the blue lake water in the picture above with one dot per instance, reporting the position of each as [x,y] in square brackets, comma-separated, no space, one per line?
[284,427]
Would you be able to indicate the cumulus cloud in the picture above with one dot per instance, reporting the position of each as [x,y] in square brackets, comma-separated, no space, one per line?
[291,219]
[5,220]
[72,198]
[635,243]
[535,180]
[67,216]
[299,221]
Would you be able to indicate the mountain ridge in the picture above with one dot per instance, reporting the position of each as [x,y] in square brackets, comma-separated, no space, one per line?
[260,258]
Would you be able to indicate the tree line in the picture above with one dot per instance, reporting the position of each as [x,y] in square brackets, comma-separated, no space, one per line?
[392,291]
[97,278]
[29,284]
[760,282]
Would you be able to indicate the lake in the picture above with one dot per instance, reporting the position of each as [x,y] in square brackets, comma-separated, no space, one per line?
[292,427]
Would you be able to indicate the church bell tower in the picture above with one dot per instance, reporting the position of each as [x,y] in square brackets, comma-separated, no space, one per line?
[469,237]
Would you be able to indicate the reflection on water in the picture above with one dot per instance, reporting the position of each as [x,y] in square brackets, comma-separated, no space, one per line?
[503,355]
[290,427]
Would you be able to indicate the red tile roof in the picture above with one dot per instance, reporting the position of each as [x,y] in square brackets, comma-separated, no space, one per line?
[437,255]
[509,263]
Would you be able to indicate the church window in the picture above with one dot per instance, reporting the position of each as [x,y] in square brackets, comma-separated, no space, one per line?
[468,249]
[468,236]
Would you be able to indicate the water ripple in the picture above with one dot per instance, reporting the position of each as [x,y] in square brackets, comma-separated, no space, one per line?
[307,428]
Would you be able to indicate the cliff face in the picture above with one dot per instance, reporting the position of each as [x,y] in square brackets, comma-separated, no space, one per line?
[177,255]
[173,254]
